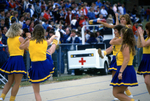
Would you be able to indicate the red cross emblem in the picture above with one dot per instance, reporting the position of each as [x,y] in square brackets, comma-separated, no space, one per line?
[82,61]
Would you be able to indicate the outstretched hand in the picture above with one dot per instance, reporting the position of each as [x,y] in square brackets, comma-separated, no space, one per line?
[140,31]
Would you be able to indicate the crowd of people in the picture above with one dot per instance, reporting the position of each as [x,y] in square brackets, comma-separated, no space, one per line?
[69,14]
[30,25]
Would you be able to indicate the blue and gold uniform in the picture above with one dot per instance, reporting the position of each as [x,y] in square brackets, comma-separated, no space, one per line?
[41,62]
[113,64]
[15,63]
[144,67]
[128,75]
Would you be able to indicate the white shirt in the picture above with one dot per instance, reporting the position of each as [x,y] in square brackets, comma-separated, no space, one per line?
[104,12]
[121,10]
[21,22]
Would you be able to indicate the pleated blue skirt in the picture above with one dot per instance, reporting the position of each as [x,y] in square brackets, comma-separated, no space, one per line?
[128,77]
[41,70]
[113,65]
[14,65]
[144,67]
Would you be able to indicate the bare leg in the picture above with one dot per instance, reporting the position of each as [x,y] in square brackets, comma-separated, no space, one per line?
[36,88]
[147,82]
[8,84]
[52,49]
[113,73]
[15,88]
[109,49]
[118,92]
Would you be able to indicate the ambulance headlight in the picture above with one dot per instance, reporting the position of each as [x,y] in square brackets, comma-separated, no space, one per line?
[71,56]
[92,54]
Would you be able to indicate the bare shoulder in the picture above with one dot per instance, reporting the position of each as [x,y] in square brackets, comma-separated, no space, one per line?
[21,39]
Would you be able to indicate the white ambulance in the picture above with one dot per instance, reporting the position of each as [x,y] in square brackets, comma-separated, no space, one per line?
[86,59]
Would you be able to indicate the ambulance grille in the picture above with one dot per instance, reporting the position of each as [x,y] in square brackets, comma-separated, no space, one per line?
[82,55]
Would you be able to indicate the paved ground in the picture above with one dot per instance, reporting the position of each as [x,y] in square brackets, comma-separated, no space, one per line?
[90,89]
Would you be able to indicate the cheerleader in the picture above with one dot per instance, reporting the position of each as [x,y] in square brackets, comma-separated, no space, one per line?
[41,61]
[125,75]
[124,21]
[14,67]
[116,44]
[144,68]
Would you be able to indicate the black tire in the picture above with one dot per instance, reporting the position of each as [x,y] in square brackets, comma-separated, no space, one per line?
[78,72]
[105,70]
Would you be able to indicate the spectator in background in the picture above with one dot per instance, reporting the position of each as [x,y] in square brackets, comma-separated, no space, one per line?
[84,10]
[2,14]
[74,11]
[68,32]
[2,4]
[91,14]
[21,20]
[69,17]
[62,15]
[148,13]
[99,36]
[3,53]
[92,39]
[56,14]
[110,11]
[134,13]
[98,3]
[37,9]
[16,16]
[26,5]
[82,21]
[45,25]
[31,26]
[12,5]
[142,13]
[43,6]
[67,5]
[124,9]
[97,12]
[115,8]
[2,24]
[7,21]
[120,8]
[134,28]
[104,12]
[26,24]
[4,38]
[30,10]
[47,15]
[20,7]
[74,23]
[87,35]
[73,38]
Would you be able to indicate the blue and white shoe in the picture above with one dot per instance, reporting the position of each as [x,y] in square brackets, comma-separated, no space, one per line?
[116,99]
[131,96]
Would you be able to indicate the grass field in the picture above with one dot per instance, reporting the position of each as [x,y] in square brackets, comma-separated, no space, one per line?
[55,79]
